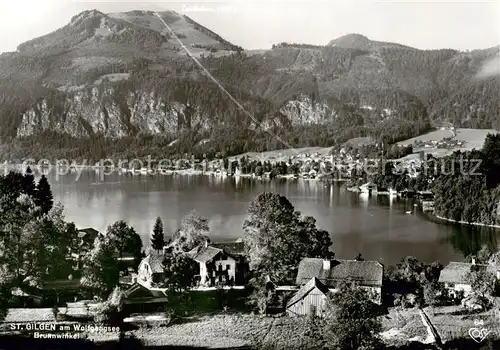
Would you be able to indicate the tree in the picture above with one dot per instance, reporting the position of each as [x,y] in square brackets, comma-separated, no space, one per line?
[179,271]
[28,182]
[5,291]
[410,276]
[262,293]
[277,238]
[266,214]
[16,214]
[481,281]
[34,245]
[110,312]
[352,320]
[407,275]
[319,241]
[482,256]
[125,239]
[158,238]
[194,230]
[259,171]
[11,184]
[491,160]
[432,271]
[101,271]
[43,195]
[434,294]
[46,245]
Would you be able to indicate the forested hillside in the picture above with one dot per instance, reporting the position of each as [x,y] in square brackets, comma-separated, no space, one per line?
[467,185]
[124,76]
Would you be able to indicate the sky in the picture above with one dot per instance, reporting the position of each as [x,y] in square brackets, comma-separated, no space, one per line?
[472,24]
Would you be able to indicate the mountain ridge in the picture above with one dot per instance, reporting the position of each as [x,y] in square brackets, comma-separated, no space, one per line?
[124,75]
[362,42]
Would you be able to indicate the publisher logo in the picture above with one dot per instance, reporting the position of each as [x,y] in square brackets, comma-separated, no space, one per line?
[479,333]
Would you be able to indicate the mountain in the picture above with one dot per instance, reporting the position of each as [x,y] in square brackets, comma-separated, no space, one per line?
[121,83]
[361,42]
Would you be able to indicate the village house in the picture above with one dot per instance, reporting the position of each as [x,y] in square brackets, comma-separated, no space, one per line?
[150,270]
[220,264]
[455,277]
[318,277]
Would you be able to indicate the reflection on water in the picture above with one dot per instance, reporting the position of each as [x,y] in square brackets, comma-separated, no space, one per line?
[375,226]
[469,239]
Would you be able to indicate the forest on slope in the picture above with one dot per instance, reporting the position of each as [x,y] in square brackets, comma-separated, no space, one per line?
[387,91]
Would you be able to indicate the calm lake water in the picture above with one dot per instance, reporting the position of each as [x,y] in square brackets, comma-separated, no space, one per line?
[376,227]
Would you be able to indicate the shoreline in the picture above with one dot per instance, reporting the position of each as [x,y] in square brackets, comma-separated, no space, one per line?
[461,222]
[164,172]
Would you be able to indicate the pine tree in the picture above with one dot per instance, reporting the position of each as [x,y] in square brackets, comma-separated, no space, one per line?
[11,184]
[28,183]
[43,195]
[158,238]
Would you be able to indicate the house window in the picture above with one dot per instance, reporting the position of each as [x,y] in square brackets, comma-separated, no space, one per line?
[220,267]
[228,267]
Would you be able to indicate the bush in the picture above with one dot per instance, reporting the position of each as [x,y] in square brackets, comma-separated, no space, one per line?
[477,302]
[171,317]
[436,295]
[313,332]
[406,300]
[111,311]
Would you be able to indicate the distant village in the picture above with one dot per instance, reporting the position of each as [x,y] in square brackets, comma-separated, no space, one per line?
[305,165]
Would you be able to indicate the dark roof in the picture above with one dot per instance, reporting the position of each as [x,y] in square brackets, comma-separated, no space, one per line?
[62,284]
[234,248]
[456,272]
[203,254]
[367,273]
[307,288]
[155,262]
[87,231]
[138,291]
[126,256]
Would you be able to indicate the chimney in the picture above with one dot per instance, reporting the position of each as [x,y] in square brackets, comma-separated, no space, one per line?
[498,274]
[326,264]
[473,261]
[206,243]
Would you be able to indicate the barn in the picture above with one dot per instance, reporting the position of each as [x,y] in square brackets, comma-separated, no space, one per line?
[310,298]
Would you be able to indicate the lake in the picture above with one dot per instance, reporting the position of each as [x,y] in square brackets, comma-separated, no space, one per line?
[376,226]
